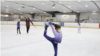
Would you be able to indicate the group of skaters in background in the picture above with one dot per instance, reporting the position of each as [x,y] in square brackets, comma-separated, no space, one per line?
[27,21]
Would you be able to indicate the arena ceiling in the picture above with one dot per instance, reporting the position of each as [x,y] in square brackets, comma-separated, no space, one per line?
[35,6]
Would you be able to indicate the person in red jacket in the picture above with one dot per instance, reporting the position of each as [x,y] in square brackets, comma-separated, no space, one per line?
[28,24]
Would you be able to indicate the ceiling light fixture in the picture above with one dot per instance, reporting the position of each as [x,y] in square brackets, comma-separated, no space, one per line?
[6,6]
[3,1]
[22,5]
[86,5]
[42,3]
[60,2]
[33,8]
[11,13]
[53,7]
[69,6]
[18,9]
[44,12]
[79,0]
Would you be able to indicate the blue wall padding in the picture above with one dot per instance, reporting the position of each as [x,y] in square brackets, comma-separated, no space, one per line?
[63,24]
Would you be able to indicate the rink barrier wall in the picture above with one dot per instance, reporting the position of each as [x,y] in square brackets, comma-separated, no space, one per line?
[23,23]
[70,25]
[63,24]
[84,25]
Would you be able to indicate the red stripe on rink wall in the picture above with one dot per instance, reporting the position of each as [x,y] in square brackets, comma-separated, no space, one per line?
[99,25]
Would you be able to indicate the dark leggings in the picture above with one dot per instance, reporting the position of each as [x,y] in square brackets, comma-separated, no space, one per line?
[55,45]
[28,27]
[19,30]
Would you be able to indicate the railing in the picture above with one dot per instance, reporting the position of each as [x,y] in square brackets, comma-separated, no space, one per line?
[81,21]
[92,21]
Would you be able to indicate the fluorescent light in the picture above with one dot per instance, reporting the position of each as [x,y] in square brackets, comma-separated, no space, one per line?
[33,8]
[60,2]
[18,9]
[6,6]
[53,7]
[42,3]
[21,5]
[79,0]
[6,15]
[86,5]
[3,1]
[69,6]
[44,12]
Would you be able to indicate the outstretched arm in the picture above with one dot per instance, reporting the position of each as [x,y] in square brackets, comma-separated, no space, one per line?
[31,22]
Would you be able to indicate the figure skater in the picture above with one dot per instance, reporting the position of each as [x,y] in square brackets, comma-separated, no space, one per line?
[28,23]
[18,27]
[79,28]
[57,33]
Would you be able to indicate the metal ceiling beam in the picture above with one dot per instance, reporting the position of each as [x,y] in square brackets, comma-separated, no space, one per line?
[64,6]
[27,5]
[96,5]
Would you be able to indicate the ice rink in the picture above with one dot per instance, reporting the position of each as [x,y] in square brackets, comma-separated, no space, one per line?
[34,44]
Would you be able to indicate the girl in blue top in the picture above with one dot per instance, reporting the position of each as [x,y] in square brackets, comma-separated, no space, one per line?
[18,27]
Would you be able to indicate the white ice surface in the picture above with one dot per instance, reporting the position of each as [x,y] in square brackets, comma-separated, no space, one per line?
[34,44]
